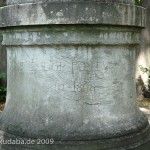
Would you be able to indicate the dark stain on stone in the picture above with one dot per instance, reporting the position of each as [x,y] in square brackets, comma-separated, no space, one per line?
[2,3]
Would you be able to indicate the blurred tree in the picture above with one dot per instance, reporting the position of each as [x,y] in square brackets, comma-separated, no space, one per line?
[137,2]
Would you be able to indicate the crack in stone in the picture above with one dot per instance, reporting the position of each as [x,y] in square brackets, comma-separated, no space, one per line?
[92,103]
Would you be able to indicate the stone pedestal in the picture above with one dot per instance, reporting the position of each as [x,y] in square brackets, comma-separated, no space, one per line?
[71,69]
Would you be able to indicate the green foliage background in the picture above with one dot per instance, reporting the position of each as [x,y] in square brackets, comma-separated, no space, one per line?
[138,2]
[3,88]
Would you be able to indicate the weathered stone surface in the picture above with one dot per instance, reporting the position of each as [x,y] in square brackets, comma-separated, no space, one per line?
[72,35]
[35,1]
[84,70]
[73,79]
[72,13]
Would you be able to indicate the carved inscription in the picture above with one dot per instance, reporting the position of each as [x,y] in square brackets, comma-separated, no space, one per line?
[85,66]
[41,66]
[87,88]
[59,87]
[73,78]
[60,66]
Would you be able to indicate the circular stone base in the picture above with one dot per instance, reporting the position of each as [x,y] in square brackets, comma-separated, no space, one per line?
[133,141]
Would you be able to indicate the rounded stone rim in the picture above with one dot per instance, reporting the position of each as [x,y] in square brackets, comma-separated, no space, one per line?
[12,2]
[130,141]
[72,13]
[71,35]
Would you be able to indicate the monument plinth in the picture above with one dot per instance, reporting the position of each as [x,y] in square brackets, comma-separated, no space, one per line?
[71,69]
